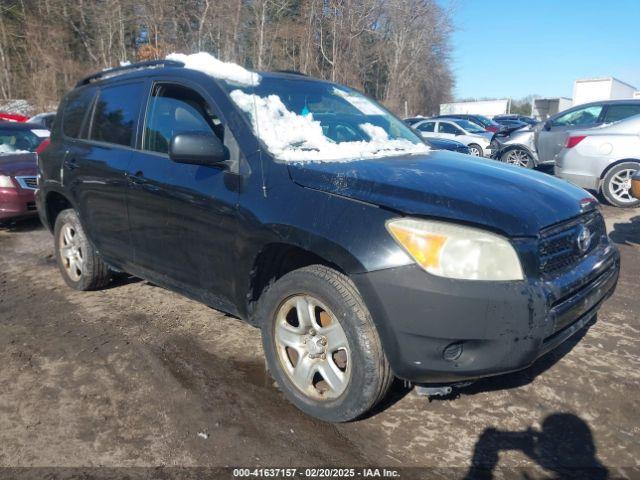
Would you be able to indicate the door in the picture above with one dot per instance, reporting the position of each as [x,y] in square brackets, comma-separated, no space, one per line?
[182,216]
[97,164]
[552,137]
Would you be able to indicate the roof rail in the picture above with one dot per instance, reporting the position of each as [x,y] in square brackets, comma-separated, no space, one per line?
[133,66]
[291,72]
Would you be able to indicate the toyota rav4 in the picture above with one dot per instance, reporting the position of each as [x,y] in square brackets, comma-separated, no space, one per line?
[308,210]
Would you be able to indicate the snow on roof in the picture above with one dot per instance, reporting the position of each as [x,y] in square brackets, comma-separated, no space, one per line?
[295,138]
[210,65]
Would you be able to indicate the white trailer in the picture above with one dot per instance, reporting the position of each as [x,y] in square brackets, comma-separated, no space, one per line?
[587,90]
[488,108]
[543,108]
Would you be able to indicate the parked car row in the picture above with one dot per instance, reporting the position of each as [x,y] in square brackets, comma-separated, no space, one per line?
[595,145]
[474,137]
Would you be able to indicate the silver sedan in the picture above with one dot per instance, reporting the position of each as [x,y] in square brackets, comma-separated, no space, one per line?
[603,159]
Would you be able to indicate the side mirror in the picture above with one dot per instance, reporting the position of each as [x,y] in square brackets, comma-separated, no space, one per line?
[547,125]
[198,148]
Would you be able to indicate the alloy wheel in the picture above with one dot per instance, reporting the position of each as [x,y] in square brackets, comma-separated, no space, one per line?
[621,186]
[312,347]
[474,151]
[516,157]
[71,252]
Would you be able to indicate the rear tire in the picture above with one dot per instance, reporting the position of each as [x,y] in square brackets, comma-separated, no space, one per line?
[80,265]
[616,185]
[335,338]
[475,150]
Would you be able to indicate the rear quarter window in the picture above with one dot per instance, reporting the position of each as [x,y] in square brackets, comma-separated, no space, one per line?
[115,115]
[620,112]
[74,111]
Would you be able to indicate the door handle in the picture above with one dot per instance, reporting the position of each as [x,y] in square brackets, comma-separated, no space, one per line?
[137,178]
[71,163]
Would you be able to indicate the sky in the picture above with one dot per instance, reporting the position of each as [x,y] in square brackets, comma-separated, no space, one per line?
[513,48]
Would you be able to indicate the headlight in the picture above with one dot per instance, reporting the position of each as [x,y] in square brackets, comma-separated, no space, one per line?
[454,251]
[5,182]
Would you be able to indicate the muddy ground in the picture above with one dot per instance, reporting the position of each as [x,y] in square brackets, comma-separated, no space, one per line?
[134,375]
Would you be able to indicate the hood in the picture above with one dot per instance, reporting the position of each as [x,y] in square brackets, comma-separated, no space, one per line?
[18,164]
[451,186]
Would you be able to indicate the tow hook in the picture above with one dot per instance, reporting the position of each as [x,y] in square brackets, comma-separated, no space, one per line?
[438,390]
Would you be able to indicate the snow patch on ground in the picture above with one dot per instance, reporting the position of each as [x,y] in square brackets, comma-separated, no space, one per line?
[19,106]
[210,65]
[293,137]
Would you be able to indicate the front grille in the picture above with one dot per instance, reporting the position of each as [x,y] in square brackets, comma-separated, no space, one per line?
[559,249]
[28,182]
[31,205]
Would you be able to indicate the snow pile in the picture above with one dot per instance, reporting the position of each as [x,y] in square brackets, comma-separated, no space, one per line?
[210,65]
[294,137]
[8,149]
[21,107]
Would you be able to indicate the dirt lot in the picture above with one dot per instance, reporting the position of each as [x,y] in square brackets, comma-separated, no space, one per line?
[137,376]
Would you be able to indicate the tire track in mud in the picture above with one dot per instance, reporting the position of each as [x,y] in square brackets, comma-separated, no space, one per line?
[131,374]
[137,373]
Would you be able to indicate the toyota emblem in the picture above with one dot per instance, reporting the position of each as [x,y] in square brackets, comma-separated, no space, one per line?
[584,239]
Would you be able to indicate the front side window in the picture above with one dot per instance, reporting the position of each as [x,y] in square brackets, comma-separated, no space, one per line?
[470,126]
[580,117]
[116,114]
[174,109]
[449,128]
[75,109]
[426,127]
[620,112]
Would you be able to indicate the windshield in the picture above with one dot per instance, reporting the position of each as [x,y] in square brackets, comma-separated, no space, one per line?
[469,126]
[301,119]
[18,141]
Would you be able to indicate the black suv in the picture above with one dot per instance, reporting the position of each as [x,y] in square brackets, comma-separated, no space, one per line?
[310,211]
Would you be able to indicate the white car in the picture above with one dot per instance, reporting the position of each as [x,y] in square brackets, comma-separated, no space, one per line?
[603,159]
[463,131]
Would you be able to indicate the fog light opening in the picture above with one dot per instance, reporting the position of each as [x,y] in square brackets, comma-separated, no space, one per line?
[452,351]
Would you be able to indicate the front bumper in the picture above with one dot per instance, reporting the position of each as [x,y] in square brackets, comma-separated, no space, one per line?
[501,326]
[16,203]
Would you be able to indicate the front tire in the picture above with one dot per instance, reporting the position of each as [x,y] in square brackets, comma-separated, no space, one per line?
[79,264]
[616,185]
[321,345]
[518,157]
[475,150]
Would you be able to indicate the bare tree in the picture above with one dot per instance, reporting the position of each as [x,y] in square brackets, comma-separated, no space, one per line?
[396,51]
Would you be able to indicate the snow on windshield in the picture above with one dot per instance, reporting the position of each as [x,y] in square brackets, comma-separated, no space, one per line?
[8,149]
[210,65]
[293,137]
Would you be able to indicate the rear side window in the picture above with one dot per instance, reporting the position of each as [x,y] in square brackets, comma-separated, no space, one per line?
[620,112]
[75,109]
[116,114]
